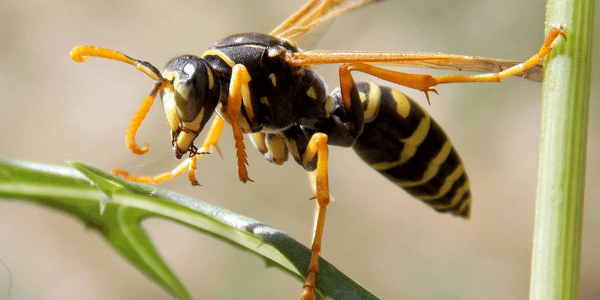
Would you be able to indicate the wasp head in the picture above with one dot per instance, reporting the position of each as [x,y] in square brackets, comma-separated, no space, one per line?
[188,88]
[191,101]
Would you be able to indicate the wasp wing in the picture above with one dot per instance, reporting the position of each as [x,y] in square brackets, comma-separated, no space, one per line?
[412,59]
[314,13]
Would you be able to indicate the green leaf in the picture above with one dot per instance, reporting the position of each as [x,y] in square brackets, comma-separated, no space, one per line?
[116,207]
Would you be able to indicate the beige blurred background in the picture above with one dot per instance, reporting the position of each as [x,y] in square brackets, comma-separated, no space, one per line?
[54,109]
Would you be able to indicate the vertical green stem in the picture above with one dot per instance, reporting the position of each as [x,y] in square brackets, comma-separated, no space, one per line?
[562,159]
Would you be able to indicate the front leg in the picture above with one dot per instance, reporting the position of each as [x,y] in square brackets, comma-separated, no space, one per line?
[239,94]
[190,164]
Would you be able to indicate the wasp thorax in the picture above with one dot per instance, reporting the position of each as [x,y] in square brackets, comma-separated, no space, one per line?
[191,102]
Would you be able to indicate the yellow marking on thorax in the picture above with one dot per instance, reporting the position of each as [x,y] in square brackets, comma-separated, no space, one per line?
[255,46]
[264,100]
[211,79]
[311,93]
[273,78]
[221,55]
[274,52]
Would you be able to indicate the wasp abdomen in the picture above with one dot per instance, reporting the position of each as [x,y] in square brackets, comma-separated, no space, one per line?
[403,143]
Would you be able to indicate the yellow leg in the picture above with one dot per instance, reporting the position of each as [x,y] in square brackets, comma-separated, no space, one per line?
[517,69]
[211,142]
[238,94]
[424,82]
[317,146]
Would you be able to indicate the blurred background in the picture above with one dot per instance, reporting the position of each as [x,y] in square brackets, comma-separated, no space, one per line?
[54,109]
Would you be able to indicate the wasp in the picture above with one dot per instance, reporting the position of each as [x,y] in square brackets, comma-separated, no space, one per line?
[263,86]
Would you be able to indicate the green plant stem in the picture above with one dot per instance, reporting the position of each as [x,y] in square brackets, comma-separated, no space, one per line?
[562,159]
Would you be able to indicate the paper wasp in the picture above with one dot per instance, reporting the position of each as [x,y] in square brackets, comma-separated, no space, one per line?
[262,85]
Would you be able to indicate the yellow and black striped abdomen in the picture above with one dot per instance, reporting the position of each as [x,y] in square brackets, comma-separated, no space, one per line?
[403,143]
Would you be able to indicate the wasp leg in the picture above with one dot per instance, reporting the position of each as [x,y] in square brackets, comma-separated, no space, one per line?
[317,146]
[351,99]
[514,70]
[158,178]
[239,94]
[424,82]
[212,138]
[211,142]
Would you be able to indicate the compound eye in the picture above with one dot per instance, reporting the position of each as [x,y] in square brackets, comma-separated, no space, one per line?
[191,86]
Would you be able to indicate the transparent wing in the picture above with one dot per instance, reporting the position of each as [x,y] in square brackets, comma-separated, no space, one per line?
[314,13]
[412,59]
